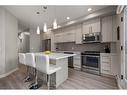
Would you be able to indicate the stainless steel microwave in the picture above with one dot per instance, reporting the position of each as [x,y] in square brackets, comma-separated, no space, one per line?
[91,38]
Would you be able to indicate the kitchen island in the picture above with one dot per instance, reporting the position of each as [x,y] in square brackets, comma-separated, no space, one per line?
[60,60]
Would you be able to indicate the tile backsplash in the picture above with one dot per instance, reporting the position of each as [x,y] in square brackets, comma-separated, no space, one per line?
[83,47]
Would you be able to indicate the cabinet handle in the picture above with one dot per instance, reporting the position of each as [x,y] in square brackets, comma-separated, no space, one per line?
[105,62]
[91,29]
[105,70]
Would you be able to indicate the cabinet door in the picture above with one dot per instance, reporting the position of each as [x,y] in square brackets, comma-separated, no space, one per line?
[47,35]
[58,38]
[86,28]
[115,25]
[70,36]
[95,26]
[107,29]
[105,64]
[78,34]
[77,61]
[115,65]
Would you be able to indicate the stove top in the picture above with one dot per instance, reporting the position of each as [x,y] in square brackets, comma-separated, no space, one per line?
[91,52]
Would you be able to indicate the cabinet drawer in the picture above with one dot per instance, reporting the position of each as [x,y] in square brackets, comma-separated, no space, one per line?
[104,62]
[105,66]
[77,65]
[105,59]
[105,71]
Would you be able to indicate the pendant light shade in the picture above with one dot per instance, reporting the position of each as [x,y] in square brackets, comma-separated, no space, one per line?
[38,30]
[54,24]
[45,28]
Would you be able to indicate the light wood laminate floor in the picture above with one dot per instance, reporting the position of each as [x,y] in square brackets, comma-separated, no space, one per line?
[76,80]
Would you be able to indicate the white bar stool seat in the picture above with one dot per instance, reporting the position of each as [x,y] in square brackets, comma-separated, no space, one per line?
[22,58]
[30,61]
[43,65]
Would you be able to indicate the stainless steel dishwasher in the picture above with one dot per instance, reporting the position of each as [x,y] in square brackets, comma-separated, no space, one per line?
[70,60]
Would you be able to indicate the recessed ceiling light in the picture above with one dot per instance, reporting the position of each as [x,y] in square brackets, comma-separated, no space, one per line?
[37,12]
[70,22]
[68,18]
[89,9]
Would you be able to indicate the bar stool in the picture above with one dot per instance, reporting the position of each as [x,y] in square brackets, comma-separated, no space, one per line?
[30,61]
[42,65]
[22,60]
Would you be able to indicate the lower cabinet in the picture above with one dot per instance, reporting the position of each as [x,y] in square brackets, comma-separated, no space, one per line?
[108,63]
[77,61]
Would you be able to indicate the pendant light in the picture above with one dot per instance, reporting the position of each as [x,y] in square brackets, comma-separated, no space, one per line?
[45,27]
[55,24]
[38,30]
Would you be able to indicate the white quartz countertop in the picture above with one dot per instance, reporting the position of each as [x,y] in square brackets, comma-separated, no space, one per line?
[75,52]
[57,56]
[112,54]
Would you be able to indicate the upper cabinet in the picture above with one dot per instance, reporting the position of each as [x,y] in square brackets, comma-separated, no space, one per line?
[109,29]
[58,37]
[106,25]
[46,35]
[78,34]
[91,26]
[67,35]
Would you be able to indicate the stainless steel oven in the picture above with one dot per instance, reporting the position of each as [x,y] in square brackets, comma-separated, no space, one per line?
[91,61]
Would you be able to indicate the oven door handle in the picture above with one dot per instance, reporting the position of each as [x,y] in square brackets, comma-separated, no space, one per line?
[91,56]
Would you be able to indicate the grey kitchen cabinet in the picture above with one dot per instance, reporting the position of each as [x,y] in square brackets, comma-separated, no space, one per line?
[77,60]
[65,35]
[109,63]
[46,35]
[58,37]
[107,29]
[69,34]
[91,26]
[78,34]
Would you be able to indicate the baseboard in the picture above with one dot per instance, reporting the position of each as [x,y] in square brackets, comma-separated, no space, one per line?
[118,82]
[6,74]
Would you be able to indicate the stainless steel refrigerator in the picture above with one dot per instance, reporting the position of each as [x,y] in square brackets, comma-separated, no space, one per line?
[46,45]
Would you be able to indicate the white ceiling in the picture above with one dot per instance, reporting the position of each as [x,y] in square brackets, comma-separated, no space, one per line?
[27,14]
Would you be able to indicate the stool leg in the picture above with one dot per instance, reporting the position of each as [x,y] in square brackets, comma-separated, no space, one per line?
[36,77]
[35,85]
[48,81]
[27,79]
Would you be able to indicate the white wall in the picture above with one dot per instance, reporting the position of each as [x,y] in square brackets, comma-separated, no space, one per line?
[2,43]
[11,46]
[35,42]
[8,42]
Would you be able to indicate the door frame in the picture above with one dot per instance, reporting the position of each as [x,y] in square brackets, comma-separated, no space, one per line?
[124,29]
